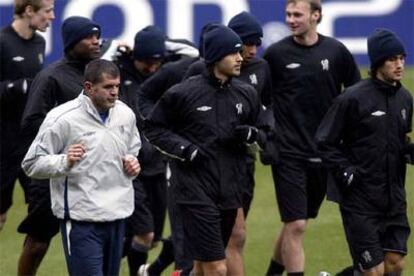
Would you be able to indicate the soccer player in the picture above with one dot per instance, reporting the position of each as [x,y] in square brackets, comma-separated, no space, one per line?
[88,148]
[56,84]
[363,138]
[204,124]
[145,226]
[308,71]
[22,54]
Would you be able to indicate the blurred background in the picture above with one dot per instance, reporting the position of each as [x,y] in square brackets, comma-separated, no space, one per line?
[350,21]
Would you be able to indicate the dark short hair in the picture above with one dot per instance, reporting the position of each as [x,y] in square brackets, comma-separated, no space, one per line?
[20,5]
[96,68]
[315,5]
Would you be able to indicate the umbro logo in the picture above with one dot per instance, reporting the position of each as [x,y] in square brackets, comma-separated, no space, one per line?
[18,58]
[378,113]
[204,108]
[293,65]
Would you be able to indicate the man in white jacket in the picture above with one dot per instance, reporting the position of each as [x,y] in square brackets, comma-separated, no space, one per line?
[88,148]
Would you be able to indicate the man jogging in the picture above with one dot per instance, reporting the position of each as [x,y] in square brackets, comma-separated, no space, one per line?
[363,138]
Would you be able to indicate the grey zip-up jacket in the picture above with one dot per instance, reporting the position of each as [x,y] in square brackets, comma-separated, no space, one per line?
[96,188]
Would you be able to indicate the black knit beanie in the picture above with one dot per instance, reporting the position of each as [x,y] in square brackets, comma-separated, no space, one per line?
[383,44]
[220,42]
[149,44]
[247,27]
[76,28]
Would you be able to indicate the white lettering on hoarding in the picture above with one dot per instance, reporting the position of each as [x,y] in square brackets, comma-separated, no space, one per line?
[334,10]
[180,16]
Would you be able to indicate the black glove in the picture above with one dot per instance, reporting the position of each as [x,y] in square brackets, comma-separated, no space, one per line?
[19,86]
[348,177]
[246,134]
[192,154]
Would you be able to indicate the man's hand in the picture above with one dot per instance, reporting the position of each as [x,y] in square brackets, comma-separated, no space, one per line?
[246,134]
[131,165]
[75,153]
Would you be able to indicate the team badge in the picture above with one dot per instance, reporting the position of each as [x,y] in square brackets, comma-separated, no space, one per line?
[253,79]
[325,64]
[367,256]
[40,57]
[404,114]
[239,108]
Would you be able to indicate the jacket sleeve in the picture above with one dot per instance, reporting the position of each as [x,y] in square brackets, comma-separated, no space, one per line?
[41,100]
[351,74]
[159,127]
[134,140]
[45,158]
[330,134]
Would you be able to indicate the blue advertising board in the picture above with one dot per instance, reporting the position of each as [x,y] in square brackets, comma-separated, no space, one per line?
[349,21]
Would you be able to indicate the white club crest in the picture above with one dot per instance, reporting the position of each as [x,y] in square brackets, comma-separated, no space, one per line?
[239,108]
[41,58]
[253,79]
[404,114]
[325,64]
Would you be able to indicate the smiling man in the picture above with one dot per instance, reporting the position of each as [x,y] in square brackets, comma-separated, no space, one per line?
[204,124]
[363,138]
[308,71]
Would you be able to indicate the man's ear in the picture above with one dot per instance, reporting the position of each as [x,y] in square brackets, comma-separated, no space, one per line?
[87,85]
[29,10]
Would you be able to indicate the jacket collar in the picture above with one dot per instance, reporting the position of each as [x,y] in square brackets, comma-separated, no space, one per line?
[89,107]
[386,87]
[214,81]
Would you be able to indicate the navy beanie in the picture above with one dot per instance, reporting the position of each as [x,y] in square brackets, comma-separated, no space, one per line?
[76,28]
[206,28]
[149,44]
[247,27]
[383,44]
[220,42]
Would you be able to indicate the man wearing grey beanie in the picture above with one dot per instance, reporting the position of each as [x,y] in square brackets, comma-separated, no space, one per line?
[364,140]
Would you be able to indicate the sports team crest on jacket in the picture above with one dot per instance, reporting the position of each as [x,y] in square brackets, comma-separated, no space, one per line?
[325,64]
[253,79]
[404,114]
[239,108]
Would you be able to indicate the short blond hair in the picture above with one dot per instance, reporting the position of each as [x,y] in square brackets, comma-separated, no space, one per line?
[20,6]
